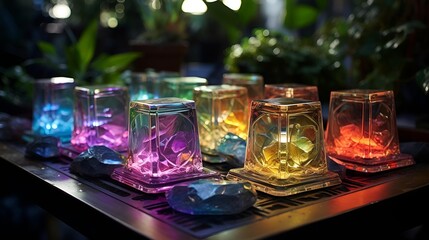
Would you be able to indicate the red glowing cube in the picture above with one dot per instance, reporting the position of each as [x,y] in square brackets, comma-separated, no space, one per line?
[361,132]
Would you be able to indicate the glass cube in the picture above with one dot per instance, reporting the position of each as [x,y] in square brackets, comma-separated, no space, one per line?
[361,132]
[221,109]
[53,107]
[291,90]
[100,117]
[139,86]
[181,87]
[253,82]
[164,148]
[285,151]
[147,85]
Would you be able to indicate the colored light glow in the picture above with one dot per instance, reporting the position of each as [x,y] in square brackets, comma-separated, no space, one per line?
[281,157]
[110,135]
[285,151]
[282,145]
[53,107]
[221,109]
[100,117]
[163,144]
[353,143]
[362,126]
[180,87]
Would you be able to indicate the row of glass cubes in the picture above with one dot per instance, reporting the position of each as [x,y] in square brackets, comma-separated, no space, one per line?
[172,122]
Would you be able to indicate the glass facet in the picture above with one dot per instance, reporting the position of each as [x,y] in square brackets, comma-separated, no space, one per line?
[221,109]
[285,151]
[163,144]
[291,90]
[53,107]
[361,133]
[100,117]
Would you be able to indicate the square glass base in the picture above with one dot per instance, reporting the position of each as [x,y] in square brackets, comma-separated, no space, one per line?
[149,184]
[375,165]
[284,187]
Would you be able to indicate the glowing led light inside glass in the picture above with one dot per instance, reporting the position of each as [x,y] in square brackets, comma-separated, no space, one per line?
[53,107]
[285,149]
[163,145]
[180,87]
[361,133]
[100,117]
[221,109]
[147,85]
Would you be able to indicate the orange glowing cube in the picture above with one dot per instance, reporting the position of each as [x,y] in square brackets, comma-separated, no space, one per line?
[361,132]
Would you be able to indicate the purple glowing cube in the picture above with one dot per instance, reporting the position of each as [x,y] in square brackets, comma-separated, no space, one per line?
[100,117]
[163,146]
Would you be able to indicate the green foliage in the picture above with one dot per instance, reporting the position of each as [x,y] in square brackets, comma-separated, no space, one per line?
[302,15]
[381,45]
[79,61]
[280,58]
[376,39]
[163,21]
[422,78]
[233,22]
[17,86]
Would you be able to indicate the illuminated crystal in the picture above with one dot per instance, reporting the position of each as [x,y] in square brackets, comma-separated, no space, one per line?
[181,87]
[96,161]
[53,107]
[212,197]
[361,133]
[233,148]
[285,149]
[221,109]
[163,145]
[100,117]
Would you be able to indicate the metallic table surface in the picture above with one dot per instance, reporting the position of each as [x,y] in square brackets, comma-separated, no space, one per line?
[384,203]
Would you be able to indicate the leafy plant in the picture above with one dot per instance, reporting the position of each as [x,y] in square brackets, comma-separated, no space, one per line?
[280,58]
[232,22]
[300,15]
[79,61]
[163,21]
[17,87]
[376,37]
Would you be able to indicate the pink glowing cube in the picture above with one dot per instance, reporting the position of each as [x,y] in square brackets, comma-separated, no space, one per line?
[164,148]
[100,117]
